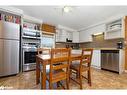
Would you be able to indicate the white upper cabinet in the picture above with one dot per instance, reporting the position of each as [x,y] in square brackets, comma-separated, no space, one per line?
[98,29]
[115,29]
[62,35]
[75,37]
[86,35]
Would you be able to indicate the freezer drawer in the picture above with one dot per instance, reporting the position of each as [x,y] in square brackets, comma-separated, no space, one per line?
[110,60]
[10,55]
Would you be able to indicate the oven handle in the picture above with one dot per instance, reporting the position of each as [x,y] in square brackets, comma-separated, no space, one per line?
[28,50]
[23,57]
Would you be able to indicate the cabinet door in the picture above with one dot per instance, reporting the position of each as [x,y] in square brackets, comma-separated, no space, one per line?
[69,35]
[97,29]
[11,57]
[85,36]
[96,59]
[113,35]
[48,28]
[57,36]
[76,37]
[62,35]
[113,32]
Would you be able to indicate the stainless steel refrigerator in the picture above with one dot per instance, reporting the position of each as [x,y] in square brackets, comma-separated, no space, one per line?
[9,48]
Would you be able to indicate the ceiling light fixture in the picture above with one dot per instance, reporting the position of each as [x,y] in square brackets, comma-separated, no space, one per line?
[67,9]
[100,33]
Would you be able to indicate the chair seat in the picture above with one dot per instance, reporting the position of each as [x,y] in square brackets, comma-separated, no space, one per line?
[58,75]
[75,66]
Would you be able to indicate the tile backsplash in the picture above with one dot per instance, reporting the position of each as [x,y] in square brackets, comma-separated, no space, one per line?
[99,42]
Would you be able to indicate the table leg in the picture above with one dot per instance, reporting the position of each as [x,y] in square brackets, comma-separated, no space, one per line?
[44,77]
[37,71]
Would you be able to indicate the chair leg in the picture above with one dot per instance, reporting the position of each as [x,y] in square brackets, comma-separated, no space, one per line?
[80,80]
[67,83]
[41,74]
[70,73]
[58,84]
[89,77]
[50,85]
[77,75]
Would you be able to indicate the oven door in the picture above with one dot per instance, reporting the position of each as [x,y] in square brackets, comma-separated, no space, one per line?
[29,60]
[30,57]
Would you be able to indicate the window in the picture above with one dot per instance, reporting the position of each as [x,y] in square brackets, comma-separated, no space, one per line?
[48,41]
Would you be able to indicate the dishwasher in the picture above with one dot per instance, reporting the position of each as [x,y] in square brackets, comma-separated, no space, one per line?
[110,60]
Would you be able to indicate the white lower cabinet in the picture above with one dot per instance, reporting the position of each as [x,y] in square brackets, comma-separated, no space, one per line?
[96,59]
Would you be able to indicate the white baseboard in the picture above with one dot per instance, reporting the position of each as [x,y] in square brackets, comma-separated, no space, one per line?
[96,67]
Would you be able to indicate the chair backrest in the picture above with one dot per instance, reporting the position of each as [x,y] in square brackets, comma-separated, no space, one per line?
[62,56]
[43,51]
[86,57]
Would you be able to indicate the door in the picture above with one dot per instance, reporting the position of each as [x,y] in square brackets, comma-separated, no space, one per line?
[9,30]
[126,43]
[30,57]
[96,58]
[11,57]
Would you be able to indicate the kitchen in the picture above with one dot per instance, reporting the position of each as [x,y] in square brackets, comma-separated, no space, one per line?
[107,38]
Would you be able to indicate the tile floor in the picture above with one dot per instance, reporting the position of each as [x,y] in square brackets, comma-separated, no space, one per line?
[100,80]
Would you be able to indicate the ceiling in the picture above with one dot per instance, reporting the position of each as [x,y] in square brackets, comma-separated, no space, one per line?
[80,16]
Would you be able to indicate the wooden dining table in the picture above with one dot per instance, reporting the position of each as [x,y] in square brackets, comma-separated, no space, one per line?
[45,60]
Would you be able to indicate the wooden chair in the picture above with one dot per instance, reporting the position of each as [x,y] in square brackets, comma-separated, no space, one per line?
[84,65]
[59,72]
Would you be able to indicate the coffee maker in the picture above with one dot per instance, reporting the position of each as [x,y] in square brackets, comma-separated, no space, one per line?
[119,45]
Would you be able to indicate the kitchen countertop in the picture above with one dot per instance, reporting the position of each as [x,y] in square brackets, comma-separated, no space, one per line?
[103,49]
[106,49]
